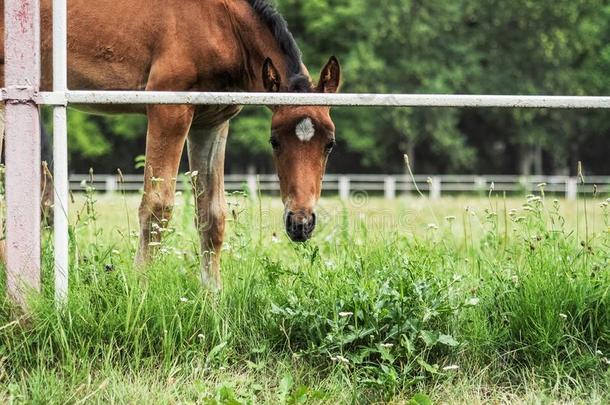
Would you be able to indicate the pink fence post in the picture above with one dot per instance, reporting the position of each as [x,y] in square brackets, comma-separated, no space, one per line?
[22,81]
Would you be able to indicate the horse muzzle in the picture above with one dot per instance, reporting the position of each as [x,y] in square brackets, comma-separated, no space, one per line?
[300,225]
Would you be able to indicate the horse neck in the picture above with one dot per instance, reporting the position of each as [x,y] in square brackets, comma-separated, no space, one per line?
[257,44]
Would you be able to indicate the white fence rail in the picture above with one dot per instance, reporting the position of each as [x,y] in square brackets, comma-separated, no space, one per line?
[389,186]
[61,98]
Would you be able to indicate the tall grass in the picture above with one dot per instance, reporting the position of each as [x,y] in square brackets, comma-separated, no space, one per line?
[384,303]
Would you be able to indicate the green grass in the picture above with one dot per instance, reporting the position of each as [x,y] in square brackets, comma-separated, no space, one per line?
[464,300]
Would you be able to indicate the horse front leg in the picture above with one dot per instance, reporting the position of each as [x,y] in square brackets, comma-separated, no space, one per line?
[168,127]
[206,150]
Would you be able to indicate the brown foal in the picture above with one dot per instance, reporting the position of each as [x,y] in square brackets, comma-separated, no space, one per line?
[199,45]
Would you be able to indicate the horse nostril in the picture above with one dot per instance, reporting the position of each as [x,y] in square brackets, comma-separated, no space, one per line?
[289,219]
[310,224]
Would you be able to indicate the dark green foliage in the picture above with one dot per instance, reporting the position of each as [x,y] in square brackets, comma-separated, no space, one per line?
[388,321]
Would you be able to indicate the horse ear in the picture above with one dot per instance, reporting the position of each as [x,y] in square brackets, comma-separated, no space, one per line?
[330,77]
[271,77]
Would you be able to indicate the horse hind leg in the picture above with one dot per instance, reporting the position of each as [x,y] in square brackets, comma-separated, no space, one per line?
[206,150]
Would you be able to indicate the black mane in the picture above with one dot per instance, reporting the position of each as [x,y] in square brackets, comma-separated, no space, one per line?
[297,80]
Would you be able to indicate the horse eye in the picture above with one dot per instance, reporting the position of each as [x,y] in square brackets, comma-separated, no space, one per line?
[330,145]
[274,143]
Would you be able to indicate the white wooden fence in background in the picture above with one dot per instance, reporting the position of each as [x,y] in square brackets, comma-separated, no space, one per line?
[390,186]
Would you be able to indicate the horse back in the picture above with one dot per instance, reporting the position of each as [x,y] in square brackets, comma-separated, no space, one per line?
[116,45]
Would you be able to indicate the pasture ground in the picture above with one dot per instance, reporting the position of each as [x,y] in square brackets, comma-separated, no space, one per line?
[463,300]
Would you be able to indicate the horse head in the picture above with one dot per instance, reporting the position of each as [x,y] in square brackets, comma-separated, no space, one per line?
[302,139]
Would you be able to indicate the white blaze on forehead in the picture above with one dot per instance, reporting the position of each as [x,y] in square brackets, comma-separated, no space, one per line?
[305,130]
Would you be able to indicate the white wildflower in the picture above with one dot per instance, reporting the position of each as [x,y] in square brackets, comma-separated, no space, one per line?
[534,199]
[473,301]
[345,314]
[340,359]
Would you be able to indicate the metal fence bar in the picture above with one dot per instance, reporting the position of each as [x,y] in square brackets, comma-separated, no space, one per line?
[344,99]
[60,152]
[22,76]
